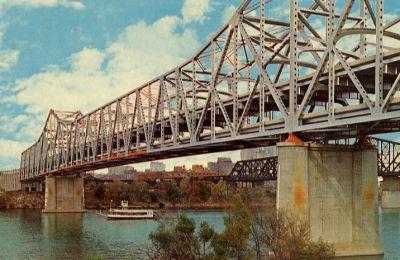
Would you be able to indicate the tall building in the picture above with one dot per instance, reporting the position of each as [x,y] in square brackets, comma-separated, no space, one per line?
[180,168]
[257,153]
[121,170]
[157,167]
[223,165]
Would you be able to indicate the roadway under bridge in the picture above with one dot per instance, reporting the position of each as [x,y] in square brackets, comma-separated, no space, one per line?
[327,71]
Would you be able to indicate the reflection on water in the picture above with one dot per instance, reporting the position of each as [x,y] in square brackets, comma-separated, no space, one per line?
[29,234]
[389,220]
[59,230]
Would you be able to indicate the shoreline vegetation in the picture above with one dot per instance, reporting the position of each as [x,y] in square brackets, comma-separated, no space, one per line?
[188,194]
[253,230]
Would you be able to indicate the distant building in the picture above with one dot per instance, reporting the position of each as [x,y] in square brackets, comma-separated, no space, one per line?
[223,165]
[257,153]
[197,168]
[119,170]
[180,168]
[157,167]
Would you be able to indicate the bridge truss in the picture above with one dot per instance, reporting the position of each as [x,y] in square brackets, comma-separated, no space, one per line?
[266,169]
[263,169]
[327,70]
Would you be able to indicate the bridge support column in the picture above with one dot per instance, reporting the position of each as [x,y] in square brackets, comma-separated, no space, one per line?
[64,194]
[391,192]
[335,190]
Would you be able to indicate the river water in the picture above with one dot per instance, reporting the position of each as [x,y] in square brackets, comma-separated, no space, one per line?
[28,234]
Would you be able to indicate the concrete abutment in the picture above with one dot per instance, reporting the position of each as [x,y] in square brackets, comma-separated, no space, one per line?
[391,192]
[64,194]
[335,190]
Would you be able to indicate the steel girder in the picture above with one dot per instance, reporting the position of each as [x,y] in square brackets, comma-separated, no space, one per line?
[263,169]
[388,157]
[326,69]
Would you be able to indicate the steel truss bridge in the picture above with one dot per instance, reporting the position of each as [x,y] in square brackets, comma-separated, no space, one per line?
[328,70]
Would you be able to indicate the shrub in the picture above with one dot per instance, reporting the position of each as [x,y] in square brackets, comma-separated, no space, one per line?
[250,233]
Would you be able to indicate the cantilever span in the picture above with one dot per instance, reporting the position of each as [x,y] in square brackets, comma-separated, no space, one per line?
[326,71]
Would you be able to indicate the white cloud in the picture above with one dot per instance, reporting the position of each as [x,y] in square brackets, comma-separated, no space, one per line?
[8,58]
[9,148]
[87,60]
[228,12]
[41,3]
[195,10]
[141,52]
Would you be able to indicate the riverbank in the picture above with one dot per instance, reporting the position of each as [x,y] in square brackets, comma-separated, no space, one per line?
[35,200]
[21,200]
[169,206]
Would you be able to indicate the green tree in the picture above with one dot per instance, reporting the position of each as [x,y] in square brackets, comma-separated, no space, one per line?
[250,233]
[289,238]
[237,229]
[206,234]
[175,241]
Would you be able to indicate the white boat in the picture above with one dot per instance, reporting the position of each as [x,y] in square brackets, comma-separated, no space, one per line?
[126,212]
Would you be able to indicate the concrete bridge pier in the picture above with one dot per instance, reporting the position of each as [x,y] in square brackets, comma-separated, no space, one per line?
[335,190]
[64,194]
[391,192]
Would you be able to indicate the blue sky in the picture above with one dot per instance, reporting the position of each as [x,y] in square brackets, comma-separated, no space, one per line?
[76,55]
[79,54]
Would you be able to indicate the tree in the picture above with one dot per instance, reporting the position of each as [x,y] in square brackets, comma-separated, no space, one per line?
[205,191]
[140,191]
[289,238]
[185,235]
[172,193]
[186,189]
[237,229]
[250,232]
[206,234]
[218,191]
[99,191]
[115,191]
[175,240]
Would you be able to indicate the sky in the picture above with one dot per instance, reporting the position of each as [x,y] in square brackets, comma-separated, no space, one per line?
[78,54]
